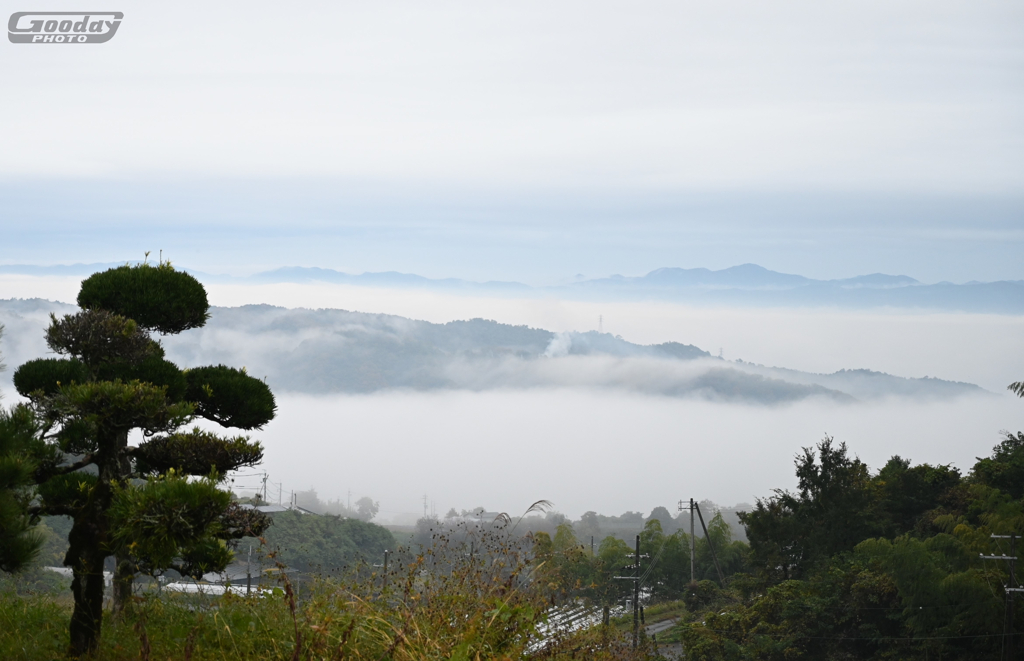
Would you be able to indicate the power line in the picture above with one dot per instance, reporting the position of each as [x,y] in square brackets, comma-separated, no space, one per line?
[721,577]
[1011,589]
[879,638]
[635,567]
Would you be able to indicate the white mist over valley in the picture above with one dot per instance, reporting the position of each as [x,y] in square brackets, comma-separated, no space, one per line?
[380,394]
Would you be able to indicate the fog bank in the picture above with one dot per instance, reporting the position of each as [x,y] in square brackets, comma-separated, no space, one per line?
[985,349]
[596,450]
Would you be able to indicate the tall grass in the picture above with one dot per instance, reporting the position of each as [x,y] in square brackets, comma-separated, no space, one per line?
[467,600]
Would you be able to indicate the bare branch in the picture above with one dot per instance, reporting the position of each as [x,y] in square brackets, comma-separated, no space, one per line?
[78,465]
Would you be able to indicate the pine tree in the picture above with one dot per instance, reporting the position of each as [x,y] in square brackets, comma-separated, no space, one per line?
[155,506]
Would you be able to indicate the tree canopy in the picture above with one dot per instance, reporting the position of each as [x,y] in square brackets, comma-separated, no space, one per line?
[155,506]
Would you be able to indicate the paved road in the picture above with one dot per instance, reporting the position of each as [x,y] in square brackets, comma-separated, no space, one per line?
[658,627]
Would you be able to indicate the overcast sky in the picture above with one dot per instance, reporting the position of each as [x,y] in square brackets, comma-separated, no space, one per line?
[534,141]
[525,141]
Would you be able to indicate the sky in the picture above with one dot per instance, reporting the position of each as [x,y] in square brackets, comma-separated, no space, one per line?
[537,142]
[526,142]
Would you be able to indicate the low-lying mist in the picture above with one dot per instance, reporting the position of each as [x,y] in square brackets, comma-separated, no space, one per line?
[589,431]
[984,349]
[596,449]
[978,348]
[337,351]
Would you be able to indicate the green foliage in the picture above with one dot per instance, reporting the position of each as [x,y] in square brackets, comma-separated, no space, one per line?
[68,491]
[98,336]
[116,380]
[20,453]
[153,369]
[76,436]
[323,544]
[1004,470]
[196,453]
[569,571]
[114,405]
[944,588]
[732,555]
[46,375]
[172,522]
[55,529]
[158,297]
[789,533]
[561,564]
[34,578]
[701,595]
[442,605]
[1017,388]
[230,397]
[237,521]
[905,493]
[846,613]
[913,588]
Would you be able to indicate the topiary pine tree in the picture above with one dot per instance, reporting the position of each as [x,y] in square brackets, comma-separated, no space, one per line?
[155,506]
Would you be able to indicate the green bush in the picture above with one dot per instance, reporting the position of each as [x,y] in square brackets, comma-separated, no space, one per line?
[157,297]
[230,397]
[48,375]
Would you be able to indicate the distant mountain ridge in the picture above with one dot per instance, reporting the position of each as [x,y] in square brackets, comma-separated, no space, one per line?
[752,276]
[748,276]
[338,351]
[743,285]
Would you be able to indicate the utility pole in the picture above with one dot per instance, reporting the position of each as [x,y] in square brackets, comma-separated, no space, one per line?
[693,547]
[635,567]
[385,574]
[265,488]
[636,597]
[1010,598]
[424,506]
[693,542]
[1011,589]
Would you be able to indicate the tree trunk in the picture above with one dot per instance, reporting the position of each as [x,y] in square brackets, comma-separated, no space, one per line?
[124,570]
[124,580]
[87,618]
[89,545]
[85,557]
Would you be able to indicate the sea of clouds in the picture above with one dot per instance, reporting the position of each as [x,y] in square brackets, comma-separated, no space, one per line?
[522,432]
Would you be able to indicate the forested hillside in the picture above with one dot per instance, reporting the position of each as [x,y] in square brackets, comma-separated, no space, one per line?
[862,565]
[340,351]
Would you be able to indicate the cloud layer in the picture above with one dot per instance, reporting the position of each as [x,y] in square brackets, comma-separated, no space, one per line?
[601,450]
[914,96]
[337,351]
